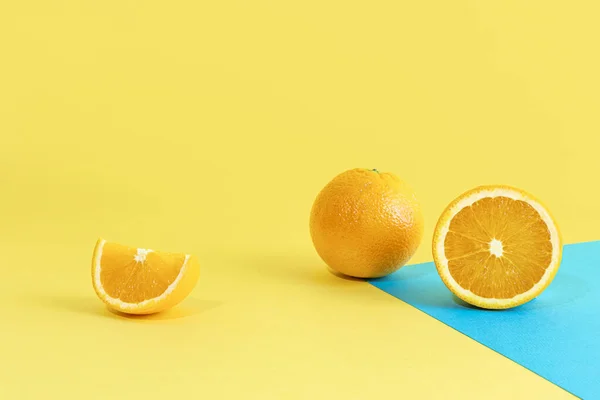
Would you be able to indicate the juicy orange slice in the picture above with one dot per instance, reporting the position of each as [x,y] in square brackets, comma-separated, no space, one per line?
[496,247]
[141,281]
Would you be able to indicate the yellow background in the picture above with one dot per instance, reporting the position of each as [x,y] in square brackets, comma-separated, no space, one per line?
[210,126]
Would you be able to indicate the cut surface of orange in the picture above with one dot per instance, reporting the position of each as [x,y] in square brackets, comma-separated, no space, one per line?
[496,247]
[141,281]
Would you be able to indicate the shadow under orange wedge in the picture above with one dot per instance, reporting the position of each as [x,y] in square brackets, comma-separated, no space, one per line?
[141,281]
[496,247]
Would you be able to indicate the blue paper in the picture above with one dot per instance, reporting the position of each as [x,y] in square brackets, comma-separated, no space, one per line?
[556,335]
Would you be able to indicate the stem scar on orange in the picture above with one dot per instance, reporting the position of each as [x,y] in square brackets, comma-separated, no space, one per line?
[366,224]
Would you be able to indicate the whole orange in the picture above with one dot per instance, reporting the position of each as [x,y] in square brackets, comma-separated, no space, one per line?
[366,224]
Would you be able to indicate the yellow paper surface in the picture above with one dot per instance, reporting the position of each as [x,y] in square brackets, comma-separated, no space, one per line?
[209,127]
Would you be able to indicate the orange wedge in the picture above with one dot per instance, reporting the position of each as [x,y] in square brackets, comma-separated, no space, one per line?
[496,247]
[141,281]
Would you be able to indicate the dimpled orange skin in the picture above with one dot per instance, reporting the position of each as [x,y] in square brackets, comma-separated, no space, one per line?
[366,224]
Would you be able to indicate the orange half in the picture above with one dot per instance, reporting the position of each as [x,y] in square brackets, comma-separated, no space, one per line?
[496,247]
[141,281]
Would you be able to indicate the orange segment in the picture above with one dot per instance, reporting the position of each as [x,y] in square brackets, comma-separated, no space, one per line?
[141,281]
[496,247]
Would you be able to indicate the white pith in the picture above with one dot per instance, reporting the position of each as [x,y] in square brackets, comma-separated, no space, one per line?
[141,254]
[470,200]
[496,247]
[122,305]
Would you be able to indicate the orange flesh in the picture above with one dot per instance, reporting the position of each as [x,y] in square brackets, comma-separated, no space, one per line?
[525,238]
[134,281]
